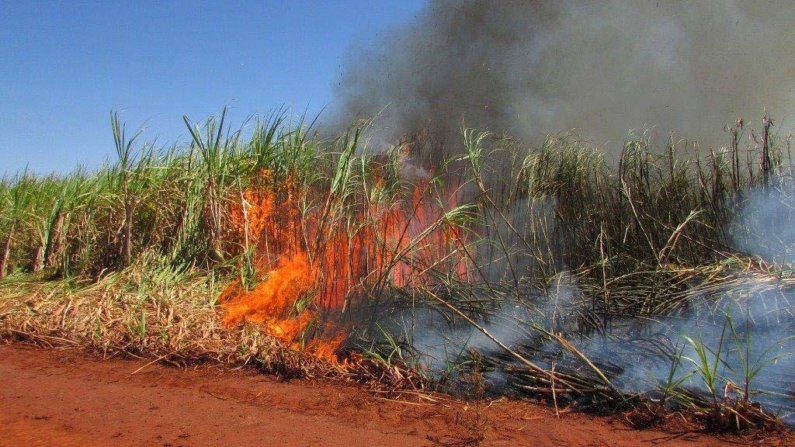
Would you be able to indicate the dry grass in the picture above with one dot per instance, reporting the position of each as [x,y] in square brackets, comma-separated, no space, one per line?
[179,327]
[130,260]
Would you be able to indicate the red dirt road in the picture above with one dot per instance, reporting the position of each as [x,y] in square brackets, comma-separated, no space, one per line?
[64,398]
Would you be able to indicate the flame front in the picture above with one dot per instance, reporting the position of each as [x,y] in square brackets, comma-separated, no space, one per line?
[273,298]
[310,263]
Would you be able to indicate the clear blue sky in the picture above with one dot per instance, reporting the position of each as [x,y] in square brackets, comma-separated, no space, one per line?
[66,64]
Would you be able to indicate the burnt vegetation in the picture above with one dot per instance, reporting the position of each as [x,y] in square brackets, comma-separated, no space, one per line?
[446,240]
[656,283]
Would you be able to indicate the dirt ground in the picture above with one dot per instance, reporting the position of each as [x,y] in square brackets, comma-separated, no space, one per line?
[66,398]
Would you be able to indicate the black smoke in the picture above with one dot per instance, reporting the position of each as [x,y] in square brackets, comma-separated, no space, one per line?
[530,68]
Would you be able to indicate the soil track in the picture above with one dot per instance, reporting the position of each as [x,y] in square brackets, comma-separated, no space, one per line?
[65,398]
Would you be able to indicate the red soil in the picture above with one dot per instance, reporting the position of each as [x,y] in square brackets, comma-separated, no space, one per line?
[64,398]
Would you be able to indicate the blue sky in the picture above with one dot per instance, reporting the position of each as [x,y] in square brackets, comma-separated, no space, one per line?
[66,64]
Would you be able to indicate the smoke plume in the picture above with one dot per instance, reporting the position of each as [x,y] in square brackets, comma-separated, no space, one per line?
[764,227]
[530,68]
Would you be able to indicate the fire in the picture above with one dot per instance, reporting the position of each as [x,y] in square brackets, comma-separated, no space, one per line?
[274,298]
[310,263]
[268,219]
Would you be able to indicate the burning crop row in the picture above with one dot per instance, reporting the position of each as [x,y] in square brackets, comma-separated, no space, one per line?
[308,263]
[539,269]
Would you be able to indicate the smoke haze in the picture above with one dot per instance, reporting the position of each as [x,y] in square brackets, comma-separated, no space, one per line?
[764,226]
[530,68]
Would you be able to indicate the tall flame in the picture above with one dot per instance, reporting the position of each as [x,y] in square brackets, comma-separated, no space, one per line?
[309,263]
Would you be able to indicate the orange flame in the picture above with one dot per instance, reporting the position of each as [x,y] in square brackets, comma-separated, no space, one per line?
[398,244]
[273,299]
